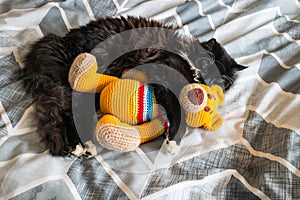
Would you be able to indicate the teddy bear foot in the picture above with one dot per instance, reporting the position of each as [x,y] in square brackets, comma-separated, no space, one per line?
[83,75]
[118,138]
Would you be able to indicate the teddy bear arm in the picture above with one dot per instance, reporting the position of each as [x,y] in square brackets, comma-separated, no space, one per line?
[215,123]
[218,93]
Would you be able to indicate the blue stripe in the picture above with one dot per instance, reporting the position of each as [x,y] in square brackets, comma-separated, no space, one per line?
[150,104]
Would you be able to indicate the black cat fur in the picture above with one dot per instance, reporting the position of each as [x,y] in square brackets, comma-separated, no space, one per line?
[45,75]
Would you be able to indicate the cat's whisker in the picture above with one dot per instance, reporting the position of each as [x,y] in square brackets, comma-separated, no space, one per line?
[220,64]
[227,80]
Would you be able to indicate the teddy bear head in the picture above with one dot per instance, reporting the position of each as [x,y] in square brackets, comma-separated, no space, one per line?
[201,103]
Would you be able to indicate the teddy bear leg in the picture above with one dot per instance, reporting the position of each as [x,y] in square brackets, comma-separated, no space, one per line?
[83,76]
[152,129]
[112,134]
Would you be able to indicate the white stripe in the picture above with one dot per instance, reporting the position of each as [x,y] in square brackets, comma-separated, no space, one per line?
[185,184]
[27,17]
[31,185]
[211,22]
[71,186]
[252,189]
[39,31]
[178,19]
[28,111]
[200,7]
[208,16]
[277,87]
[3,15]
[123,4]
[278,60]
[231,9]
[30,155]
[260,54]
[18,57]
[165,14]
[63,14]
[269,156]
[145,158]
[38,182]
[7,27]
[6,119]
[207,179]
[275,121]
[117,5]
[187,31]
[145,102]
[249,58]
[13,131]
[4,51]
[89,10]
[3,139]
[287,36]
[297,3]
[287,17]
[23,131]
[116,178]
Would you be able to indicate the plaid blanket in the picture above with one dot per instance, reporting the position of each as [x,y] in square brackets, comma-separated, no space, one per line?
[255,154]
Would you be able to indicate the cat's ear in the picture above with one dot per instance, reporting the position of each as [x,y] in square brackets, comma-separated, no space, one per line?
[212,42]
[238,67]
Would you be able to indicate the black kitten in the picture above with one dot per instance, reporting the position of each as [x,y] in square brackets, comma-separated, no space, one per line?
[225,63]
[45,75]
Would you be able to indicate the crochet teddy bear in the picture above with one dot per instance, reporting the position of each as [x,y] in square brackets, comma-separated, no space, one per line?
[201,103]
[130,113]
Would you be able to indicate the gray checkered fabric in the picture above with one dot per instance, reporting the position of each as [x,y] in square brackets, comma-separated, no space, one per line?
[254,155]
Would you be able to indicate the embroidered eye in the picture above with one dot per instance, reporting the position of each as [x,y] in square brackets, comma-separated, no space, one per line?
[207,109]
[193,98]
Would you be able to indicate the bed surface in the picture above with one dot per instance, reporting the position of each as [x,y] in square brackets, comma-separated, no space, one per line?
[255,154]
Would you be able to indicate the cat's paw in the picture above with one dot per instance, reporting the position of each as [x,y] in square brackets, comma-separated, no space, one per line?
[81,152]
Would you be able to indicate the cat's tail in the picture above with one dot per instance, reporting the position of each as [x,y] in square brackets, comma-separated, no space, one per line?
[44,77]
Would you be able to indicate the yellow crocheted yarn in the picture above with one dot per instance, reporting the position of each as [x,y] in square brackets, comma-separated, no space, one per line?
[83,76]
[207,99]
[135,75]
[130,113]
[132,116]
[118,136]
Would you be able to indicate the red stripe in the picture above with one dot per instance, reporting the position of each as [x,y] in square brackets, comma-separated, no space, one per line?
[140,103]
[164,123]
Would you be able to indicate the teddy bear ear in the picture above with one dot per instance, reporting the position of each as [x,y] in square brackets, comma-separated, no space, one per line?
[193,98]
[218,92]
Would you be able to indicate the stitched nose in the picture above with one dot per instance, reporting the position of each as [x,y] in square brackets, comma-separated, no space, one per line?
[196,96]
